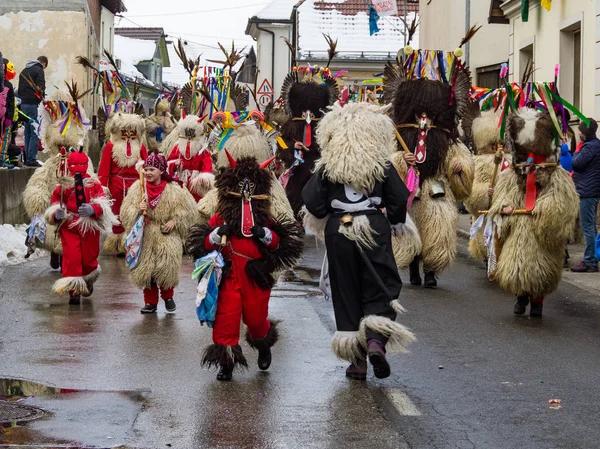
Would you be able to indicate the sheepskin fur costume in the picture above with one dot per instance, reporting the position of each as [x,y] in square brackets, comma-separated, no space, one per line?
[485,135]
[159,124]
[247,141]
[120,122]
[160,259]
[532,255]
[38,192]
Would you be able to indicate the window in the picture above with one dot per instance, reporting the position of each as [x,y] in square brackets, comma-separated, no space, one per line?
[489,76]
[570,63]
[526,57]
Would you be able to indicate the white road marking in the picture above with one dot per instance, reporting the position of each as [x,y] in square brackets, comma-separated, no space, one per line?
[402,402]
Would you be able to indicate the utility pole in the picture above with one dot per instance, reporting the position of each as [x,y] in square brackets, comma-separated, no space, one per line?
[405,18]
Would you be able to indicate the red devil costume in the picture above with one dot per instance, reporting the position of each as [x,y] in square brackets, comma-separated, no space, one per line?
[257,245]
[81,212]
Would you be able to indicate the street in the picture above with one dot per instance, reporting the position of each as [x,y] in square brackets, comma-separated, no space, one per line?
[478,377]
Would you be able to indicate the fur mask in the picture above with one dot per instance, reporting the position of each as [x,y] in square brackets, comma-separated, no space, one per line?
[357,142]
[486,133]
[192,138]
[127,137]
[244,192]
[159,125]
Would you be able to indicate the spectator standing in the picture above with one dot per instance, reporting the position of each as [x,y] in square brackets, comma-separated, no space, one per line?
[7,109]
[586,175]
[32,86]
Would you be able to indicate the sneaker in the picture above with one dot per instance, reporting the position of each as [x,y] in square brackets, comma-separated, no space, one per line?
[170,305]
[149,308]
[357,371]
[521,304]
[582,267]
[34,164]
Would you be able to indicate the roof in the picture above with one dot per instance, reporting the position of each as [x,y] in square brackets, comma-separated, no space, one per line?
[143,33]
[114,6]
[276,10]
[131,52]
[348,22]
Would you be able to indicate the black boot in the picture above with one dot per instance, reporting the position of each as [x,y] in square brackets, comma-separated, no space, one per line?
[90,288]
[225,372]
[376,353]
[537,306]
[521,304]
[357,370]
[264,345]
[54,261]
[74,300]
[415,272]
[430,280]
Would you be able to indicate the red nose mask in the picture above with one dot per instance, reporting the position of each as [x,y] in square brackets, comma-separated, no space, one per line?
[78,163]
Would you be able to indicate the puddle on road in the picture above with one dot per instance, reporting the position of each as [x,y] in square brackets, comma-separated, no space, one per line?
[66,417]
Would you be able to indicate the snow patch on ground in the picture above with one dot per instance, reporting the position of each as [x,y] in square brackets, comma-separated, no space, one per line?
[12,245]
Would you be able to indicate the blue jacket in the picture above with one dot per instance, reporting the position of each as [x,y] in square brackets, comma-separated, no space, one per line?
[566,160]
[586,168]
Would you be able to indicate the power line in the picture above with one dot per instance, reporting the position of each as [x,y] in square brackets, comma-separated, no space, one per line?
[211,37]
[198,12]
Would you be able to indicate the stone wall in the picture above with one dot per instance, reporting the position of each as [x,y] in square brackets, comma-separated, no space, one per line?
[12,185]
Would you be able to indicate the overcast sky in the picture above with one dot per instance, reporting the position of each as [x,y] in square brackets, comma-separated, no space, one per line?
[201,23]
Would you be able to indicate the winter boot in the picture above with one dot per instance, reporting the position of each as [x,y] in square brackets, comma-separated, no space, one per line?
[225,372]
[415,272]
[90,288]
[376,354]
[264,345]
[170,305]
[520,305]
[430,280]
[148,308]
[54,261]
[537,304]
[74,299]
[357,370]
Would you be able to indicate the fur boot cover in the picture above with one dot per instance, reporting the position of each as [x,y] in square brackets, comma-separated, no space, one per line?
[268,341]
[73,284]
[160,258]
[290,243]
[347,345]
[115,243]
[216,355]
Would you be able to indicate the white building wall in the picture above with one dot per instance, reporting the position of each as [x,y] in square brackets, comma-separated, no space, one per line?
[546,30]
[107,31]
[264,56]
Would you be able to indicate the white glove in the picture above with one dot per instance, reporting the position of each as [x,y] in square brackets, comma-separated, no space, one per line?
[60,214]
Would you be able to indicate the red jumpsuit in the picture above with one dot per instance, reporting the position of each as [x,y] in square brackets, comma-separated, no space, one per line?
[117,179]
[190,168]
[239,298]
[81,247]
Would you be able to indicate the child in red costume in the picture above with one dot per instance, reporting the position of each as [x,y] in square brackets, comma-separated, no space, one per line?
[257,245]
[118,171]
[189,160]
[81,212]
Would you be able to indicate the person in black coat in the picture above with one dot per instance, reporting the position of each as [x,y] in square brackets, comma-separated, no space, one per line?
[7,109]
[32,87]
[586,175]
[344,201]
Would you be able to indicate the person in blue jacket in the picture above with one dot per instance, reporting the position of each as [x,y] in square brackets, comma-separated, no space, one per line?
[586,175]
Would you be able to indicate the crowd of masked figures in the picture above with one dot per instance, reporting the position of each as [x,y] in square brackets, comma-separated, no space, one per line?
[237,190]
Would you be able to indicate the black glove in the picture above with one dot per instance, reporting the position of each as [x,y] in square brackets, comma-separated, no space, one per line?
[258,232]
[223,230]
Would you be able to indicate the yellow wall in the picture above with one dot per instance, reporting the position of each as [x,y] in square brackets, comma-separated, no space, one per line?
[61,36]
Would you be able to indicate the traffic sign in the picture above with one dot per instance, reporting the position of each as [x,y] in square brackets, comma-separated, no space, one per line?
[265,88]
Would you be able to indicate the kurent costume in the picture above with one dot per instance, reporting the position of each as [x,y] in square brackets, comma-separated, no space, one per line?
[81,212]
[190,160]
[491,158]
[353,182]
[427,102]
[159,124]
[160,258]
[257,245]
[63,125]
[306,94]
[119,167]
[528,245]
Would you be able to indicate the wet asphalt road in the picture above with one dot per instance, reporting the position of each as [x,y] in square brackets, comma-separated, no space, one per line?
[477,378]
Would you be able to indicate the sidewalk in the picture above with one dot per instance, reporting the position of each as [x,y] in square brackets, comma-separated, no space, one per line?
[587,281]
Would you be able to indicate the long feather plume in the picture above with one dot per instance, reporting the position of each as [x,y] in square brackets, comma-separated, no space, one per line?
[112,61]
[291,48]
[35,87]
[332,50]
[412,28]
[85,62]
[472,31]
[73,89]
